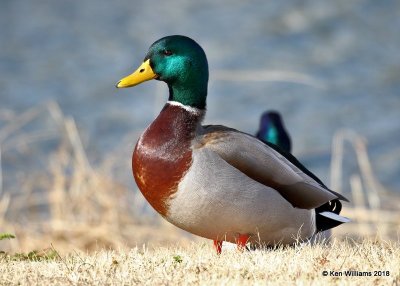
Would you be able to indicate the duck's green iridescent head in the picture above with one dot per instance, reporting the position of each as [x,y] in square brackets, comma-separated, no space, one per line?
[181,63]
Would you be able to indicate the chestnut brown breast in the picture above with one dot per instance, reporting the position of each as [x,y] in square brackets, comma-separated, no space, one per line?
[163,155]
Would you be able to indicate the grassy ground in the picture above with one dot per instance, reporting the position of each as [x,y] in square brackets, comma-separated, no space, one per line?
[198,264]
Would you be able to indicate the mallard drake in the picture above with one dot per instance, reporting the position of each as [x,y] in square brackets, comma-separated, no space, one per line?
[273,130]
[215,181]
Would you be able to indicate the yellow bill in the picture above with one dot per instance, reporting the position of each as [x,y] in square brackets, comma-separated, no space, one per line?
[143,73]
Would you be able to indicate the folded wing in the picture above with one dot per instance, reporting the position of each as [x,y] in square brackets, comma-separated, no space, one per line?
[267,165]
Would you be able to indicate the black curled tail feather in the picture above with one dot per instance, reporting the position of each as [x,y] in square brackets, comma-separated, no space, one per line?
[327,215]
[334,206]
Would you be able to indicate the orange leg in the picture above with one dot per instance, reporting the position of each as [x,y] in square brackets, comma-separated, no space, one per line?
[218,246]
[241,241]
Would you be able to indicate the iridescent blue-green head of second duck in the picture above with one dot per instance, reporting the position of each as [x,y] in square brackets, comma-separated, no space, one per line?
[272,129]
[181,63]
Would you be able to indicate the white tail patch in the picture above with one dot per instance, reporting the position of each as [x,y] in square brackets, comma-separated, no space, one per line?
[334,216]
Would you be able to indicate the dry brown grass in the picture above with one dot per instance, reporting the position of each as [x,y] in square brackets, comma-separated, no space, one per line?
[198,264]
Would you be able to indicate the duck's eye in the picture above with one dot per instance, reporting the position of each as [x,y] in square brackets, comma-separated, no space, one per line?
[167,53]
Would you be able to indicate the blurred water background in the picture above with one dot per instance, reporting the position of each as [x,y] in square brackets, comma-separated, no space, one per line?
[73,52]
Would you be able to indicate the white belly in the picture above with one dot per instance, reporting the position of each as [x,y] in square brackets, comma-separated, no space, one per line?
[216,201]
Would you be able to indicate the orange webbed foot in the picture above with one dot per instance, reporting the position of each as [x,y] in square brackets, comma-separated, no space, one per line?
[218,246]
[242,241]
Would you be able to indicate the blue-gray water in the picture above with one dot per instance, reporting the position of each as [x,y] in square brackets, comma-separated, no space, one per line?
[75,51]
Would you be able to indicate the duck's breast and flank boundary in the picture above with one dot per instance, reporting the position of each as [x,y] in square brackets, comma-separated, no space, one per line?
[162,154]
[217,201]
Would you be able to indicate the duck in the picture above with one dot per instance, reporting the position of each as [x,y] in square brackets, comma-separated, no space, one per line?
[215,181]
[273,130]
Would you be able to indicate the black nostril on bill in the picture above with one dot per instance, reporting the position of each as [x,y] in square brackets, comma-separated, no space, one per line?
[142,70]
